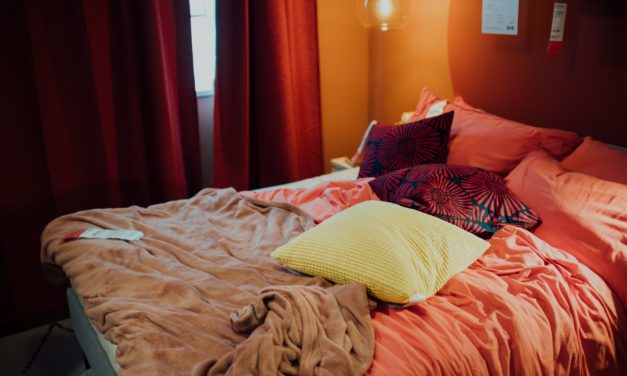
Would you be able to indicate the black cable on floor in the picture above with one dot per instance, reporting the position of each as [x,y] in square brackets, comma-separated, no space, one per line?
[43,342]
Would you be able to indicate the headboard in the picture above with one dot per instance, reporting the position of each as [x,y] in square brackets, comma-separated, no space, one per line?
[582,89]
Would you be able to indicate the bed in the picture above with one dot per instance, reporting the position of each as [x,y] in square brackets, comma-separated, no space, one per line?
[534,302]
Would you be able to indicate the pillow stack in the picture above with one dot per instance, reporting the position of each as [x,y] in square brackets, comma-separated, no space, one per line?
[408,162]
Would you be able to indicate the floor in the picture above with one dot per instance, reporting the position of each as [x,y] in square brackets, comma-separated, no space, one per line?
[47,350]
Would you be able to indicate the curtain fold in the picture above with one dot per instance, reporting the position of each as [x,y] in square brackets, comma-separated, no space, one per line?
[267,121]
[99,110]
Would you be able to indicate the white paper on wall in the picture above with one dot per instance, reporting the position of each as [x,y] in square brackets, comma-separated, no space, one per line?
[499,17]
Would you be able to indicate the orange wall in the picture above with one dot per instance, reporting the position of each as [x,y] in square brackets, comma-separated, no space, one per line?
[376,75]
[343,49]
[403,61]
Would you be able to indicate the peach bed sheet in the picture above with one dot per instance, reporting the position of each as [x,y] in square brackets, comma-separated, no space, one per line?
[523,308]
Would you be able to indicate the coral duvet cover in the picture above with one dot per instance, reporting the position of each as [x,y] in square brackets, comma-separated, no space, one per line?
[523,308]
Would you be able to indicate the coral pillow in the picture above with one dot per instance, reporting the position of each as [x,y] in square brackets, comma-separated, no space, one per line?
[581,214]
[468,197]
[598,159]
[428,98]
[393,147]
[487,141]
[484,140]
[401,255]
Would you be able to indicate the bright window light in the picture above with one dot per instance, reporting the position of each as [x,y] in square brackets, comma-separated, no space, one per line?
[203,19]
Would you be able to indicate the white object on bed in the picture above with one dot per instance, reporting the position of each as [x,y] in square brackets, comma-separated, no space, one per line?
[406,116]
[437,108]
[364,138]
[341,163]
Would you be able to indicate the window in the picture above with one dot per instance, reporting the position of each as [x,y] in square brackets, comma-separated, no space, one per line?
[203,19]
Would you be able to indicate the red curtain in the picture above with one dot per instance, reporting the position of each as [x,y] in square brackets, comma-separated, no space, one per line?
[267,120]
[98,109]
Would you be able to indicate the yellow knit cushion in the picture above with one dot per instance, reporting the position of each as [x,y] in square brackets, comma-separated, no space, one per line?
[400,254]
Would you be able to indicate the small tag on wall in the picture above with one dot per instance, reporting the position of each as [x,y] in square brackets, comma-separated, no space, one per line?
[557,29]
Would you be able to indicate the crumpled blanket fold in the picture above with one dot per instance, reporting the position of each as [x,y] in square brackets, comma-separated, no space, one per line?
[300,330]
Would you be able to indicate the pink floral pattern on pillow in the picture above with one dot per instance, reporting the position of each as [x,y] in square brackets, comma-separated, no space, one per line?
[469,197]
[394,147]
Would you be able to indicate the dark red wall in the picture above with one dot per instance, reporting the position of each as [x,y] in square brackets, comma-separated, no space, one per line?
[582,89]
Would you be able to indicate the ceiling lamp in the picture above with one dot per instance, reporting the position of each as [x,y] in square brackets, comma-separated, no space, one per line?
[383,14]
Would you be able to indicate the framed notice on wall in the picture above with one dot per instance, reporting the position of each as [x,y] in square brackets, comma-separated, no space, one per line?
[499,17]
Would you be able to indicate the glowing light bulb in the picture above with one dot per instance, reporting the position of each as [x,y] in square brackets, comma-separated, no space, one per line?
[385,8]
[383,14]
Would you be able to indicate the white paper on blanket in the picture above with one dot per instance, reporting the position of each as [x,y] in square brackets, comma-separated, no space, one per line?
[96,233]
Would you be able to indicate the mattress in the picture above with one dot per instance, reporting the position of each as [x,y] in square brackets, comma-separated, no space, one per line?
[98,350]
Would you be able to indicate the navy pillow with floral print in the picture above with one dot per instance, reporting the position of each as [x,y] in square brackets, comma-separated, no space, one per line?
[394,147]
[469,197]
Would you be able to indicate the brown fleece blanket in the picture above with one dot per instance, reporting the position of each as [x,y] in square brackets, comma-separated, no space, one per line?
[167,300]
[300,330]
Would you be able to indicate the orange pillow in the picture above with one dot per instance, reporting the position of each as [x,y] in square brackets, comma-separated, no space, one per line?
[484,140]
[582,215]
[598,159]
